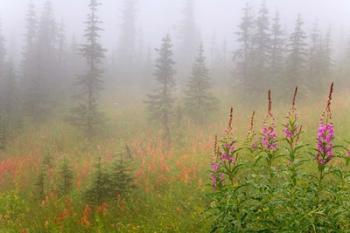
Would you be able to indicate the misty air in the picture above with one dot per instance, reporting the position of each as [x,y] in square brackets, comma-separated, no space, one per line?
[174,116]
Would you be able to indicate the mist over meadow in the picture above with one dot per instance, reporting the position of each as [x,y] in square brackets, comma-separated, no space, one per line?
[174,116]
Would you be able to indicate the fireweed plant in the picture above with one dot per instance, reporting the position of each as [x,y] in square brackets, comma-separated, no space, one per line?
[269,183]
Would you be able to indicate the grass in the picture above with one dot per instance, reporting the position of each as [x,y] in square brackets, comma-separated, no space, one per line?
[171,187]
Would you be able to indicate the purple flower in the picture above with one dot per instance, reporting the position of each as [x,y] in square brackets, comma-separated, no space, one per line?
[288,133]
[269,139]
[215,178]
[230,148]
[226,157]
[215,167]
[325,137]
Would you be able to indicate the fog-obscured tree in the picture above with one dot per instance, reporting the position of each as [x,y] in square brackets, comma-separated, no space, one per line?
[40,72]
[199,101]
[297,52]
[313,70]
[87,115]
[344,68]
[127,43]
[11,101]
[326,60]
[261,51]
[243,55]
[277,60]
[66,178]
[188,38]
[161,101]
[2,90]
[47,57]
[29,75]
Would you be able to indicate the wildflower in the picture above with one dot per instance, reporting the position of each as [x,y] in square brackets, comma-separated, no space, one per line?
[251,133]
[215,167]
[325,138]
[229,128]
[268,132]
[269,139]
[288,133]
[228,153]
[292,130]
[325,134]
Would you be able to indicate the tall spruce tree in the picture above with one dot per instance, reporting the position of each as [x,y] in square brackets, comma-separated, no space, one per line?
[277,59]
[87,115]
[188,35]
[2,90]
[161,101]
[326,60]
[243,55]
[297,51]
[261,51]
[29,75]
[199,101]
[10,104]
[314,60]
[127,39]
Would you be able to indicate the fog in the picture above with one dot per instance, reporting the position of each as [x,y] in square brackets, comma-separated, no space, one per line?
[217,18]
[238,49]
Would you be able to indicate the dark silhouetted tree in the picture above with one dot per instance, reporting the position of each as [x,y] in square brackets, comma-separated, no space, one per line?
[199,101]
[161,101]
[121,179]
[100,188]
[86,115]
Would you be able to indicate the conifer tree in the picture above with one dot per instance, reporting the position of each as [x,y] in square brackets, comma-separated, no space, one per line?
[2,132]
[261,51]
[296,57]
[276,65]
[243,55]
[127,40]
[39,65]
[326,60]
[161,101]
[2,91]
[10,107]
[40,184]
[188,35]
[314,60]
[66,174]
[87,115]
[122,180]
[100,189]
[199,101]
[29,82]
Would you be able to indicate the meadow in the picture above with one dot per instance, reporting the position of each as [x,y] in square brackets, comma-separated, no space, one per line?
[171,188]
